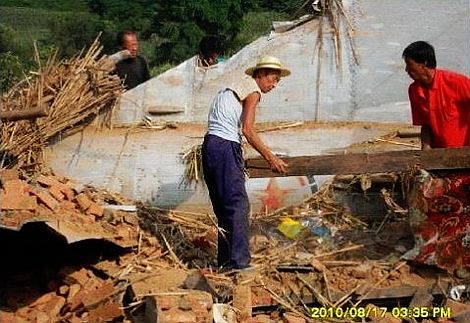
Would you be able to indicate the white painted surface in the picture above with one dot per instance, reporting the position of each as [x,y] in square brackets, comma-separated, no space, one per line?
[374,90]
[145,164]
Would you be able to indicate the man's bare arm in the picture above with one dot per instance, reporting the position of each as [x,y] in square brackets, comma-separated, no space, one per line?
[249,131]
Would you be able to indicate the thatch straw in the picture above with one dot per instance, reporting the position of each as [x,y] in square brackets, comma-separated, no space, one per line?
[73,91]
[192,160]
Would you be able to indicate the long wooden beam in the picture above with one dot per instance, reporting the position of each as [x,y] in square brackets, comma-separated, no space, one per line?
[391,161]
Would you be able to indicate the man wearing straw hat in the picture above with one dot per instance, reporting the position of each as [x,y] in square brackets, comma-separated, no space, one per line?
[232,114]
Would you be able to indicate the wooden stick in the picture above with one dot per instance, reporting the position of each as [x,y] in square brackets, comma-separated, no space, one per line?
[398,143]
[328,294]
[173,255]
[280,127]
[339,251]
[346,297]
[16,115]
[279,299]
[332,263]
[321,299]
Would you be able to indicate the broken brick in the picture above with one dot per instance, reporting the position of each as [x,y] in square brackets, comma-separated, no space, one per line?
[95,209]
[53,307]
[105,290]
[46,198]
[16,186]
[63,290]
[176,315]
[261,297]
[42,317]
[66,190]
[242,300]
[47,180]
[17,202]
[263,318]
[9,175]
[457,308]
[200,300]
[7,317]
[130,218]
[166,302]
[67,205]
[83,201]
[73,290]
[72,276]
[106,313]
[56,193]
[25,313]
[250,320]
[292,318]
[122,233]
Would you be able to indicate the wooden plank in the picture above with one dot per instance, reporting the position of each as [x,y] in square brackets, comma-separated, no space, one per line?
[391,161]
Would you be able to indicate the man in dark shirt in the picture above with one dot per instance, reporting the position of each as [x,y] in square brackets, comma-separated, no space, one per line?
[132,68]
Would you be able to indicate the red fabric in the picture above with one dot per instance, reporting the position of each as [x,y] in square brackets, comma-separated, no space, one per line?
[439,210]
[445,107]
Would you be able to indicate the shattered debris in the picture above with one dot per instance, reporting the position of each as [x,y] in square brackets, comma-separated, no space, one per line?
[165,270]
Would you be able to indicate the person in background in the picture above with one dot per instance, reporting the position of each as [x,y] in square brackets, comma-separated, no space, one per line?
[439,202]
[232,114]
[129,65]
[210,49]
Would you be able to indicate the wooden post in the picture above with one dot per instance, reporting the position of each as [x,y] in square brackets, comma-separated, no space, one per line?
[16,115]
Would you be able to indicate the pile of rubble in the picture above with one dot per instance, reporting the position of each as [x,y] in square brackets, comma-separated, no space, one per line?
[161,269]
[64,208]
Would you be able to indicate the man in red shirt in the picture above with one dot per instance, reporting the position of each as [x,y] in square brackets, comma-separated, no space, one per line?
[439,203]
[440,99]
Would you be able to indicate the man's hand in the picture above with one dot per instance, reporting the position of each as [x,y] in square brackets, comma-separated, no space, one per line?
[277,164]
[120,56]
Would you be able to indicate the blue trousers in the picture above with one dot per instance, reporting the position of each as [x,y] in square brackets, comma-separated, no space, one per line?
[223,167]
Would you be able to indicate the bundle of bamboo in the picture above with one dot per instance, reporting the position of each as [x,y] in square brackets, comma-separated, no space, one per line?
[72,91]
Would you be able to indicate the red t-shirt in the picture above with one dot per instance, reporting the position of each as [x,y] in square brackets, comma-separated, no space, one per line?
[445,107]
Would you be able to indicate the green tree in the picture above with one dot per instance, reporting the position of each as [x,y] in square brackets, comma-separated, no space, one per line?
[180,25]
[72,35]
[11,70]
[284,6]
[135,15]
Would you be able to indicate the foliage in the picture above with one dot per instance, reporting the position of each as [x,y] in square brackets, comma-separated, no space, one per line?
[162,68]
[135,15]
[71,36]
[181,25]
[11,70]
[253,25]
[169,31]
[59,5]
[283,6]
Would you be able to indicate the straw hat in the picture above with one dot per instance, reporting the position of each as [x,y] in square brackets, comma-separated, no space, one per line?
[268,62]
